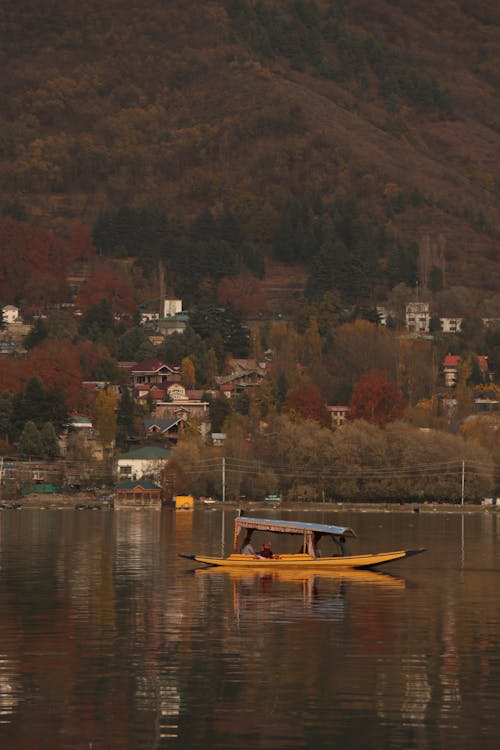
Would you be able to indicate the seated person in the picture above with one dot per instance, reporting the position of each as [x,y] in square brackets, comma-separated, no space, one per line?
[266,550]
[342,545]
[247,548]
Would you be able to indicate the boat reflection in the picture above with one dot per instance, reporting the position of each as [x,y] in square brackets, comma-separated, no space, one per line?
[353,575]
[279,592]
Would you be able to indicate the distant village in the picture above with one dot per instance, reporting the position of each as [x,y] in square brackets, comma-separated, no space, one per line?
[172,408]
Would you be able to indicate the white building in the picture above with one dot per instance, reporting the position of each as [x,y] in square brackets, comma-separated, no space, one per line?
[10,314]
[171,307]
[418,317]
[451,325]
[146,462]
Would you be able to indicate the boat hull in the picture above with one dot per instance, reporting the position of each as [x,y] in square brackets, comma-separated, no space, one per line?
[305,562]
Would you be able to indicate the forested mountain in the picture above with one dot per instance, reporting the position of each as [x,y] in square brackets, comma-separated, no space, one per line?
[341,135]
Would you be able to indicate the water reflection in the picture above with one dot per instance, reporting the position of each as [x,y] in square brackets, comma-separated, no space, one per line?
[108,641]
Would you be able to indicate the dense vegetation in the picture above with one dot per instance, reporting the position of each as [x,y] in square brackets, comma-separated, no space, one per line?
[193,149]
[278,115]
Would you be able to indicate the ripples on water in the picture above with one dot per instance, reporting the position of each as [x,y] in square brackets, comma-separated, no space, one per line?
[108,641]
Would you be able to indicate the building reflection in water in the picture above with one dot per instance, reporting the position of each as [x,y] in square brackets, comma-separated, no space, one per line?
[10,688]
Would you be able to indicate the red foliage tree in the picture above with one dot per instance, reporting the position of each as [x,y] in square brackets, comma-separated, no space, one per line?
[376,399]
[306,401]
[80,246]
[106,282]
[90,356]
[57,367]
[243,292]
[33,263]
[9,377]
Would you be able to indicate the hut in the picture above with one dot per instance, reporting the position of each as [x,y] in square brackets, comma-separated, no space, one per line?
[142,494]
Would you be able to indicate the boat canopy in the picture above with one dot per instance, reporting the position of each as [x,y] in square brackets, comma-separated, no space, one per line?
[289,527]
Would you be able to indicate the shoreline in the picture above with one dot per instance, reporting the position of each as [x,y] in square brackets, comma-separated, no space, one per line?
[92,501]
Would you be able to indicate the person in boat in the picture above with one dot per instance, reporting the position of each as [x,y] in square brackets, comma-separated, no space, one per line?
[266,550]
[342,545]
[247,548]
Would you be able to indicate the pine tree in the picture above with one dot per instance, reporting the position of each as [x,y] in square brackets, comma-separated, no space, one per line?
[48,438]
[30,443]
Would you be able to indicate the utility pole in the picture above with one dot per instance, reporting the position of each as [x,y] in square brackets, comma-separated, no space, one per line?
[223,479]
[463,481]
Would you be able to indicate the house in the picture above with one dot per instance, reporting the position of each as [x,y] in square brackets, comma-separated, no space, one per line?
[183,405]
[172,324]
[244,373]
[171,307]
[218,439]
[10,314]
[140,495]
[154,371]
[450,368]
[418,317]
[486,401]
[451,325]
[143,463]
[167,428]
[338,415]
[170,319]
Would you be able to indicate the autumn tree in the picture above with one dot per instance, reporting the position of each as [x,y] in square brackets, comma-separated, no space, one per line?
[80,246]
[354,349]
[107,282]
[376,399]
[305,400]
[188,373]
[58,367]
[106,416]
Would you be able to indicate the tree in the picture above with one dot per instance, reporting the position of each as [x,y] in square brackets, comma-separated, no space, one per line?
[37,405]
[6,403]
[105,416]
[37,334]
[135,346]
[219,409]
[188,373]
[30,443]
[376,400]
[48,438]
[306,401]
[59,368]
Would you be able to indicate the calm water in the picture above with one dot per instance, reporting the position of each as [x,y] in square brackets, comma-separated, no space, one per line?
[106,641]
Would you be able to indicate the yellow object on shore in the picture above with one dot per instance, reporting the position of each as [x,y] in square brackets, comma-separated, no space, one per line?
[184,502]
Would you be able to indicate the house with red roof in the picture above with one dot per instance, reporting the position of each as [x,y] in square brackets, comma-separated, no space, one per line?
[450,368]
[154,372]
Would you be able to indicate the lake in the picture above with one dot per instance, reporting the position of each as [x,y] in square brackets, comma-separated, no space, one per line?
[109,640]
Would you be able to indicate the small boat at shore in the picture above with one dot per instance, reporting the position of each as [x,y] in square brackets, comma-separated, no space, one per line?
[310,555]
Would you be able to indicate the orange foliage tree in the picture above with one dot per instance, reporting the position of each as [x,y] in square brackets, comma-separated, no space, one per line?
[376,399]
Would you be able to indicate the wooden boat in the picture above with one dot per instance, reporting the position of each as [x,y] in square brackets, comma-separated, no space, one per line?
[309,555]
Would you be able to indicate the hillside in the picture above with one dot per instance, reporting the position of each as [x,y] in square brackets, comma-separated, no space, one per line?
[245,106]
